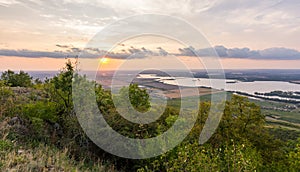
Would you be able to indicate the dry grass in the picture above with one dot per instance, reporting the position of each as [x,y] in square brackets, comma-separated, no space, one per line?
[42,158]
[18,156]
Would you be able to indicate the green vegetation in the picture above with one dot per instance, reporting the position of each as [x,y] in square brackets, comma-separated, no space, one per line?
[283,94]
[13,79]
[139,98]
[280,114]
[40,132]
[43,158]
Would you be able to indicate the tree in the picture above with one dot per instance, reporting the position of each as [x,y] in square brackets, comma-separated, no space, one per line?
[294,157]
[139,98]
[241,119]
[59,88]
[21,79]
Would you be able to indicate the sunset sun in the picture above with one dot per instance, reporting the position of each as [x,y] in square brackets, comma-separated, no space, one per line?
[103,60]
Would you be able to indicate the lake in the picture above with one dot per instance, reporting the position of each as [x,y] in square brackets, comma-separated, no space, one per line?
[230,85]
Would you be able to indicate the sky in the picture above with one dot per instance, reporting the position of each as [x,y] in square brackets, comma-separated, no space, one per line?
[245,34]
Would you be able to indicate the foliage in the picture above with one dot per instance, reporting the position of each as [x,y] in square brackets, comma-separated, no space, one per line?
[42,110]
[44,158]
[294,158]
[241,142]
[21,79]
[194,157]
[139,98]
[6,99]
[59,88]
[241,118]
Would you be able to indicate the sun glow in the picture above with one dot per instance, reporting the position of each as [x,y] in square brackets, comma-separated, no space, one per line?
[104,60]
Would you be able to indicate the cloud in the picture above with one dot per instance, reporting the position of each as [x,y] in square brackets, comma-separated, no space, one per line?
[266,54]
[69,51]
[74,19]
[137,53]
[162,52]
[190,51]
[63,46]
[7,3]
[35,54]
[242,53]
[280,53]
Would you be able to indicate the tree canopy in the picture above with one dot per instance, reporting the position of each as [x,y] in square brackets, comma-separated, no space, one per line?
[21,79]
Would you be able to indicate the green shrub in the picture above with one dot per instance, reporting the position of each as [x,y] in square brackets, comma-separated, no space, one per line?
[5,145]
[294,158]
[6,100]
[41,110]
[21,79]
[194,157]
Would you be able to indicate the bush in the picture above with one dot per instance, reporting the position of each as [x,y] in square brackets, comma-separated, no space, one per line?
[195,157]
[42,110]
[44,158]
[6,99]
[21,79]
[294,158]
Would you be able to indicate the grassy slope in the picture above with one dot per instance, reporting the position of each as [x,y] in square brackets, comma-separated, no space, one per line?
[41,158]
[19,152]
